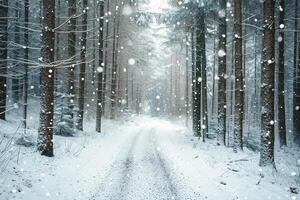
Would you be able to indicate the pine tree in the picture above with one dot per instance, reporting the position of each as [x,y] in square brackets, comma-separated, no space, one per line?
[100,68]
[114,85]
[72,57]
[187,101]
[268,83]
[107,25]
[194,85]
[222,72]
[45,139]
[238,67]
[82,66]
[202,49]
[198,78]
[26,58]
[296,102]
[3,55]
[16,75]
[281,82]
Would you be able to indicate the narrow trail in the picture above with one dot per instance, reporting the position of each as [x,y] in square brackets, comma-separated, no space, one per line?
[140,172]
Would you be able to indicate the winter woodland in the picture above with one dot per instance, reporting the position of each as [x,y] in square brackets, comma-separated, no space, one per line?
[149,99]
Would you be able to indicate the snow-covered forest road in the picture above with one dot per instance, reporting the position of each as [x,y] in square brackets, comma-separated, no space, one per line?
[141,172]
[143,158]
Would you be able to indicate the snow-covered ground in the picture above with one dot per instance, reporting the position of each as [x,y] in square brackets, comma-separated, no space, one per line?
[142,158]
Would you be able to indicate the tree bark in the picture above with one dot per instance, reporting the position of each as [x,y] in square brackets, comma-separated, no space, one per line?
[281,82]
[296,74]
[202,49]
[100,72]
[72,55]
[268,83]
[26,58]
[3,55]
[239,88]
[105,58]
[82,67]
[222,74]
[194,85]
[187,101]
[45,139]
[115,66]
[16,75]
[198,78]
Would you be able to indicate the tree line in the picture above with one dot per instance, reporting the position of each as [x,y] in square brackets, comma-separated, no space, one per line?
[244,89]
[67,54]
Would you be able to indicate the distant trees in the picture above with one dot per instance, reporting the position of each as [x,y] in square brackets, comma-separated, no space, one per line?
[245,89]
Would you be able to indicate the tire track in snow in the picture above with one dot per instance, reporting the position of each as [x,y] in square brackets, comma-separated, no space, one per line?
[140,172]
[118,175]
[179,181]
[162,165]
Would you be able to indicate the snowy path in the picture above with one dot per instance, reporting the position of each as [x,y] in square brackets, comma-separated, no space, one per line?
[145,159]
[139,173]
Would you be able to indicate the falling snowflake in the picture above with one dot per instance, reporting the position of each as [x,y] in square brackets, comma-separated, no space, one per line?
[131,61]
[222,13]
[221,53]
[99,69]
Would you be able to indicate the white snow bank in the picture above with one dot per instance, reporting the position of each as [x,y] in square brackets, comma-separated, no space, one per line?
[74,172]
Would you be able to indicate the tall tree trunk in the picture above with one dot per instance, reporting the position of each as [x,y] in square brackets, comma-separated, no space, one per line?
[127,89]
[115,66]
[82,66]
[100,71]
[202,49]
[187,81]
[26,58]
[268,83]
[239,88]
[105,57]
[194,85]
[3,55]
[72,56]
[296,74]
[94,42]
[57,49]
[16,76]
[222,72]
[281,82]
[198,80]
[45,139]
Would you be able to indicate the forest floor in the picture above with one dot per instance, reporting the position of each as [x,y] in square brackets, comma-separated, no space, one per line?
[142,158]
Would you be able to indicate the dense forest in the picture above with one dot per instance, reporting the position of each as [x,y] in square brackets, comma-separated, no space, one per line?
[203,94]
